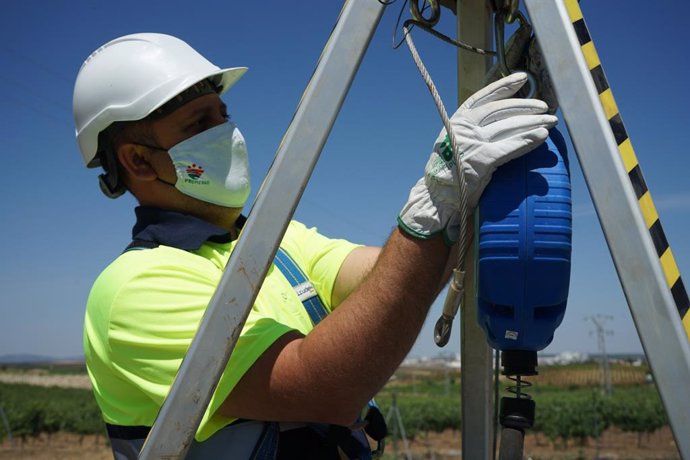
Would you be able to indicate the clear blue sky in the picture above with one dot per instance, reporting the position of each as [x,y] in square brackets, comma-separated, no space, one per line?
[58,231]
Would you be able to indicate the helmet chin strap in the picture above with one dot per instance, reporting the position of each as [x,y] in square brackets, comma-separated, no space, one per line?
[110,181]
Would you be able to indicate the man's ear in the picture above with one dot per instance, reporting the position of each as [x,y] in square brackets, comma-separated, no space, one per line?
[136,162]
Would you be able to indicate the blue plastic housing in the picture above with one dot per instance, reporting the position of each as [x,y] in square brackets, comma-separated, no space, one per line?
[524,248]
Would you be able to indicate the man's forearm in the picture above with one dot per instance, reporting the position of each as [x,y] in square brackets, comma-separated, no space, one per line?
[375,327]
[330,374]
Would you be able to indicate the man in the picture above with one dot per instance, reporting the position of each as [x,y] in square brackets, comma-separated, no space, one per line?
[147,109]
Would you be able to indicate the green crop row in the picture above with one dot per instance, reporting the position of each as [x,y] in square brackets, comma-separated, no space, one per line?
[32,410]
[560,415]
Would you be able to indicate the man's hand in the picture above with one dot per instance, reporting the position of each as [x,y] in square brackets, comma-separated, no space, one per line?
[490,130]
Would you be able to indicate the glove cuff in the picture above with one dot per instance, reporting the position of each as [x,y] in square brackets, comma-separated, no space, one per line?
[424,235]
[417,232]
[424,219]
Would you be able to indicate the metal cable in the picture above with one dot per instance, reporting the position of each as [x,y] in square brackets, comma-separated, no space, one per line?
[463,242]
[427,26]
[447,39]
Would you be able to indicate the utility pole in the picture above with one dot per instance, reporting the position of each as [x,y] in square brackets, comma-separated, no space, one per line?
[394,420]
[6,423]
[599,322]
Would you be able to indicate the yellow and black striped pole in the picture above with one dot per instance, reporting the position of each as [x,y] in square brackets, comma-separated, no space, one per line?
[640,252]
[632,167]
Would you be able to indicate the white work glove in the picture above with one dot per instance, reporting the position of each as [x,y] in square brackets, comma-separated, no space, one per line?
[490,130]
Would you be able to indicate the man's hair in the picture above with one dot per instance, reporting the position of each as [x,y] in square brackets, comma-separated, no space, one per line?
[112,181]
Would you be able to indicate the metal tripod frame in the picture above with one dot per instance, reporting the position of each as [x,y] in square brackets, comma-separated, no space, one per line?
[654,303]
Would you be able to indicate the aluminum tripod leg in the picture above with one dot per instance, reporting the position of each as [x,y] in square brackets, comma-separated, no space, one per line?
[650,278]
[220,327]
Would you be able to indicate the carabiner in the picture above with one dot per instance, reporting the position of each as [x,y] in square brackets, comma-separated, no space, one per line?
[499,29]
[510,7]
[416,12]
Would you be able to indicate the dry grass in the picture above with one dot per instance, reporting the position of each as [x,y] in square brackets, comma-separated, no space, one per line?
[59,446]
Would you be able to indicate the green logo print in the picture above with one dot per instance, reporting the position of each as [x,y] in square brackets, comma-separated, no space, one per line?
[446,149]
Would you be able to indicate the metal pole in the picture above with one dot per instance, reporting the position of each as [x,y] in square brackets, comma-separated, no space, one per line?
[475,27]
[179,418]
[650,279]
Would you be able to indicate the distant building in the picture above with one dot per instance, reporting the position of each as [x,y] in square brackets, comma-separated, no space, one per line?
[566,357]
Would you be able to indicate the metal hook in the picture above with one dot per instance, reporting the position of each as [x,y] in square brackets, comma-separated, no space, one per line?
[456,291]
[442,331]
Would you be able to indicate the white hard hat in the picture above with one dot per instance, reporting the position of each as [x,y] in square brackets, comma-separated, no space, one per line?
[129,77]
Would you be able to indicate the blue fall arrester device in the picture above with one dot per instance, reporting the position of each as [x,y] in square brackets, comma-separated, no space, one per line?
[523,266]
[524,248]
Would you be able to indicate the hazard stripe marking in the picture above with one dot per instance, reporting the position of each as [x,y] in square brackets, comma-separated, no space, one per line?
[591,55]
[638,183]
[628,154]
[609,103]
[618,129]
[648,209]
[599,79]
[582,32]
[659,238]
[670,267]
[680,295]
[573,11]
[632,167]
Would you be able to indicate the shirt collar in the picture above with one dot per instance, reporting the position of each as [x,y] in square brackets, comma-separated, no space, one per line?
[171,228]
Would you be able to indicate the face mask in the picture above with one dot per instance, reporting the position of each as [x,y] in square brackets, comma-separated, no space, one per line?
[212,166]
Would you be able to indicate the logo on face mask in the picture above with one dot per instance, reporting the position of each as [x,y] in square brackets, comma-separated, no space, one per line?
[194,171]
[224,178]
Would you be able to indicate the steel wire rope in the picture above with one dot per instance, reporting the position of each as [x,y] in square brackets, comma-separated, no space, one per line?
[456,288]
[508,12]
[427,27]
[455,292]
[442,332]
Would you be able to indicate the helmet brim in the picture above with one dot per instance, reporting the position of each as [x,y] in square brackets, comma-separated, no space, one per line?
[224,79]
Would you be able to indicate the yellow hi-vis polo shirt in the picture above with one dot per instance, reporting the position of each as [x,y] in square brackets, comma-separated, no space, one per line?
[145,308]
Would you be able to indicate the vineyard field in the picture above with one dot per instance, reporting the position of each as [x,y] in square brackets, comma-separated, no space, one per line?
[572,412]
